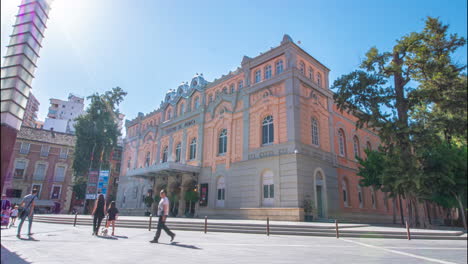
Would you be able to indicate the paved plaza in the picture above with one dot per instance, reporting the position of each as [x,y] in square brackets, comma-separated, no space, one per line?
[56,243]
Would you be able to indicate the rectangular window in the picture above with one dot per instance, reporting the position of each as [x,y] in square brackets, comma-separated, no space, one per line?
[14,193]
[37,187]
[20,167]
[272,190]
[60,174]
[25,148]
[45,150]
[240,85]
[265,191]
[39,174]
[63,153]
[55,194]
[258,76]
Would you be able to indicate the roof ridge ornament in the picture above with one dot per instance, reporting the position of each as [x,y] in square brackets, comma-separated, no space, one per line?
[286,39]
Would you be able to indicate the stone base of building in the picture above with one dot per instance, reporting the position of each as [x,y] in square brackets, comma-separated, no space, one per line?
[278,214]
[132,211]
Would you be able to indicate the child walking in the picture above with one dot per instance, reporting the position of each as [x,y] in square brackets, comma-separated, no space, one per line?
[14,215]
[112,213]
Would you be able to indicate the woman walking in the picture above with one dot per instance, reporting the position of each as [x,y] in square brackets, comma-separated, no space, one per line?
[112,216]
[99,212]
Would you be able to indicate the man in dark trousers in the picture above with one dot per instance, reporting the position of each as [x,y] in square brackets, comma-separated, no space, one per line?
[28,206]
[163,211]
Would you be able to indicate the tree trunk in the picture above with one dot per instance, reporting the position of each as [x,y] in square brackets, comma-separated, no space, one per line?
[409,209]
[428,210]
[417,221]
[394,210]
[462,211]
[401,211]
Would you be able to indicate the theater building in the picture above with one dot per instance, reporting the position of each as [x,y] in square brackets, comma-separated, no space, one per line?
[257,142]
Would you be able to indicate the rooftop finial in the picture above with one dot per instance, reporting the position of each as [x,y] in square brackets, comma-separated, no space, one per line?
[286,39]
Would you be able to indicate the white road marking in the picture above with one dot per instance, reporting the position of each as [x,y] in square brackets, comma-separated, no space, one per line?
[428,248]
[400,252]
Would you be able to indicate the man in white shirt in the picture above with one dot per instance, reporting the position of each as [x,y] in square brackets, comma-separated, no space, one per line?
[163,211]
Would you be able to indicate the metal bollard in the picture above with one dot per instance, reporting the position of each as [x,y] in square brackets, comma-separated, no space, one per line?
[336,228]
[268,226]
[408,234]
[151,218]
[76,216]
[206,224]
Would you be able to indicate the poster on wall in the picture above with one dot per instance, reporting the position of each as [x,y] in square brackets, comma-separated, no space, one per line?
[103,182]
[203,194]
[93,177]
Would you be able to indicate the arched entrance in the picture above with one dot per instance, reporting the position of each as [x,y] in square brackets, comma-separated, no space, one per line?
[320,194]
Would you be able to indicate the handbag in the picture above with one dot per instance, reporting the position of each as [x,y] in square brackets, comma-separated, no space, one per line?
[22,211]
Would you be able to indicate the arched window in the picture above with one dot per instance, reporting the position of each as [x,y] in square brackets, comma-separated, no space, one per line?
[356,146]
[268,188]
[177,152]
[221,190]
[165,154]
[360,197]
[233,89]
[279,67]
[267,72]
[147,160]
[368,146]
[196,103]
[344,188]
[193,148]
[182,109]
[169,114]
[222,142]
[240,85]
[315,132]
[302,67]
[319,79]
[225,91]
[311,73]
[258,76]
[341,142]
[267,130]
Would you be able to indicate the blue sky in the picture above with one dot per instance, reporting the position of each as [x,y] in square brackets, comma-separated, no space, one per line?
[149,46]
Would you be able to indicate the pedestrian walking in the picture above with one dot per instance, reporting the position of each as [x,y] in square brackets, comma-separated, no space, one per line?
[99,212]
[27,210]
[163,211]
[112,213]
[14,215]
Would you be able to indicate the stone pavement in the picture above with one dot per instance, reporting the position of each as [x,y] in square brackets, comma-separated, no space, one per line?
[56,243]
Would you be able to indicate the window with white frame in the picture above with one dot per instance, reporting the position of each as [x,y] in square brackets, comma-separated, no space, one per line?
[177,152]
[267,130]
[193,148]
[315,132]
[233,89]
[165,154]
[356,146]
[302,67]
[311,73]
[279,67]
[197,103]
[267,72]
[20,168]
[221,192]
[240,85]
[55,193]
[222,142]
[319,79]
[63,153]
[37,187]
[39,173]
[268,188]
[258,76]
[59,173]
[360,197]
[341,142]
[45,150]
[344,188]
[24,149]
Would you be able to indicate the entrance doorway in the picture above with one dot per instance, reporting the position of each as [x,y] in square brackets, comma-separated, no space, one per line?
[320,195]
[319,202]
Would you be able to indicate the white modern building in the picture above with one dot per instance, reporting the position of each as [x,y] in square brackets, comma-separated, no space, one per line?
[62,114]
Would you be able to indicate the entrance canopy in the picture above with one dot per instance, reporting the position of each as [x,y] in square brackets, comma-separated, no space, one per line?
[164,169]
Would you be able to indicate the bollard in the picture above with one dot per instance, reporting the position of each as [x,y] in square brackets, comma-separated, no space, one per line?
[336,228]
[408,231]
[268,226]
[206,223]
[151,218]
[76,216]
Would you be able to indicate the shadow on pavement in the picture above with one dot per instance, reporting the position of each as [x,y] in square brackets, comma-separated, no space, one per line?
[183,245]
[121,236]
[30,238]
[11,257]
[107,237]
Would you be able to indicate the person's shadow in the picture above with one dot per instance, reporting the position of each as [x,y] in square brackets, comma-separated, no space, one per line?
[121,237]
[177,244]
[107,237]
[30,238]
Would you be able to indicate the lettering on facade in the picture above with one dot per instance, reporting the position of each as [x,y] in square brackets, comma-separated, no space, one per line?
[269,153]
[180,126]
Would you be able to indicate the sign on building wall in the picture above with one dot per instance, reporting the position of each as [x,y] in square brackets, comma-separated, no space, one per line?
[203,194]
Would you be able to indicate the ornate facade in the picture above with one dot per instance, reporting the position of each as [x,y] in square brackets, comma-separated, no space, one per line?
[258,142]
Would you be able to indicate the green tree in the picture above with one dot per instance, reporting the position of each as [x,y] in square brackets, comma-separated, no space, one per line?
[96,132]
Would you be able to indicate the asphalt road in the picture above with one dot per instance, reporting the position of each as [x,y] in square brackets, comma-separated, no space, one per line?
[55,243]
